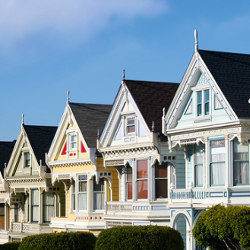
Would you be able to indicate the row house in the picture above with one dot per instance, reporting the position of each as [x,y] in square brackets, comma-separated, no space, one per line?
[133,144]
[76,165]
[209,120]
[5,153]
[32,200]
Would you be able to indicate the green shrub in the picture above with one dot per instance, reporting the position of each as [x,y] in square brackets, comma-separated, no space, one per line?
[139,237]
[58,241]
[10,245]
[223,227]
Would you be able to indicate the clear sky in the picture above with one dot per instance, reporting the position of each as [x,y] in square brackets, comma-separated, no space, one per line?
[48,47]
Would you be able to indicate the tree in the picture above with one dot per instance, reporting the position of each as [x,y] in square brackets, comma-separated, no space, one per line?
[223,227]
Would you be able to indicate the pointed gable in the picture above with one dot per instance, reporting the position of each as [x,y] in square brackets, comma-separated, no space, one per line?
[90,118]
[231,71]
[5,153]
[151,98]
[40,138]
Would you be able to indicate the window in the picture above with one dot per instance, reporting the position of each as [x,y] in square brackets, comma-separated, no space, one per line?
[241,164]
[2,218]
[26,159]
[73,141]
[198,165]
[130,125]
[99,194]
[129,183]
[142,179]
[35,205]
[82,192]
[203,100]
[199,103]
[16,212]
[73,199]
[161,182]
[48,207]
[206,103]
[217,165]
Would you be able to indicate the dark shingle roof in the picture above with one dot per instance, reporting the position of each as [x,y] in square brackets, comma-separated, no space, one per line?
[6,148]
[40,138]
[232,73]
[90,118]
[151,98]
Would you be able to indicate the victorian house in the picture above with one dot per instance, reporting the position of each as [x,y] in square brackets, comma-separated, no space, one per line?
[76,165]
[5,152]
[209,120]
[32,200]
[132,142]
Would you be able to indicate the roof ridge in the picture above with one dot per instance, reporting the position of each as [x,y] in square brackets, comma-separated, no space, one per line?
[85,103]
[44,126]
[7,141]
[145,81]
[226,52]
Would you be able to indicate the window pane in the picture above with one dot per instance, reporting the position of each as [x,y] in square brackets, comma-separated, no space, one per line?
[129,190]
[83,186]
[206,102]
[129,174]
[82,201]
[131,121]
[207,95]
[161,188]
[217,173]
[34,197]
[142,189]
[27,159]
[131,129]
[199,97]
[142,169]
[198,175]
[35,213]
[98,200]
[99,186]
[161,172]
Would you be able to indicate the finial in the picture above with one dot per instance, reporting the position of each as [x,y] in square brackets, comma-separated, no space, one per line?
[153,126]
[68,96]
[22,119]
[123,74]
[195,40]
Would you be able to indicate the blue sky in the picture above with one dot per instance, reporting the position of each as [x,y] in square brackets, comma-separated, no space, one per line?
[51,46]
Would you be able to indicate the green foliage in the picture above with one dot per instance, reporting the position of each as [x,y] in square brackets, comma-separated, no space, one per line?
[223,227]
[10,245]
[58,241]
[139,237]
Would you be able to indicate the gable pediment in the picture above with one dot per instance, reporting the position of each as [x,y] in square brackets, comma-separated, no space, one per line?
[198,100]
[68,143]
[125,124]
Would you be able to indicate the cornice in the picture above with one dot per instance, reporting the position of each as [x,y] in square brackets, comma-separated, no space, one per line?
[70,163]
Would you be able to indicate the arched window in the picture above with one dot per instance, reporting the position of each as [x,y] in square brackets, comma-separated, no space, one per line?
[161,181]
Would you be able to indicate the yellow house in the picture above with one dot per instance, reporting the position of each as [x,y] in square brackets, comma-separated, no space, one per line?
[76,164]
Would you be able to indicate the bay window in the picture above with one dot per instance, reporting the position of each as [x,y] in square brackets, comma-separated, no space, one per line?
[217,162]
[48,206]
[82,192]
[99,194]
[35,205]
[240,164]
[142,179]
[161,181]
[129,183]
[198,165]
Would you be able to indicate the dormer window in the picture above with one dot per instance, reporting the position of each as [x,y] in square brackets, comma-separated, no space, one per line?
[130,125]
[203,100]
[27,159]
[73,141]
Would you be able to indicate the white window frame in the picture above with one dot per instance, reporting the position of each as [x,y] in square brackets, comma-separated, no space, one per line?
[73,193]
[24,159]
[103,192]
[46,206]
[127,125]
[70,135]
[77,193]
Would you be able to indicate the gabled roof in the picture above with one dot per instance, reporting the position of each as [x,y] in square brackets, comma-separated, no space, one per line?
[40,138]
[90,118]
[151,98]
[231,71]
[6,148]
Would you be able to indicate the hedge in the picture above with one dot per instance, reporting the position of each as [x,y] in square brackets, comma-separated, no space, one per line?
[13,245]
[58,241]
[139,237]
[224,227]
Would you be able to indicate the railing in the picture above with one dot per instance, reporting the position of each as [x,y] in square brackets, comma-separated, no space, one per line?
[24,227]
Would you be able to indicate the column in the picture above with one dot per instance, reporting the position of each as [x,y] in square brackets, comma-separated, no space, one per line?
[207,164]
[134,177]
[227,161]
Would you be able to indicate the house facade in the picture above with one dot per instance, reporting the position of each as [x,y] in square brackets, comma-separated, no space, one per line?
[133,144]
[209,120]
[32,200]
[5,152]
[76,165]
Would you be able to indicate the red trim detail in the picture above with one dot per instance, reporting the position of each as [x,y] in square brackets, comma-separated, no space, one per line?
[64,151]
[83,150]
[70,154]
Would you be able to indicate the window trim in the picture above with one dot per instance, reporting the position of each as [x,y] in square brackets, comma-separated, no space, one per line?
[103,192]
[78,192]
[202,89]
[126,125]
[126,183]
[25,152]
[142,179]
[70,135]
[161,178]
